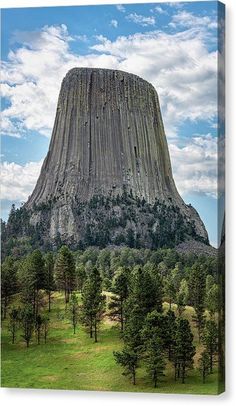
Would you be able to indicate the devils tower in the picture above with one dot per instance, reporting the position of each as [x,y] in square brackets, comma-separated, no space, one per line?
[107,177]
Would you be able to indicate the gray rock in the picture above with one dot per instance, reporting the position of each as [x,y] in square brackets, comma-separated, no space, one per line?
[108,137]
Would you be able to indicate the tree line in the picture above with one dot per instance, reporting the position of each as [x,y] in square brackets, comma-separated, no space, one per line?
[139,282]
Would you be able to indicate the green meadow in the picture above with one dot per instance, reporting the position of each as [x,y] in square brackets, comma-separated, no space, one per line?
[75,362]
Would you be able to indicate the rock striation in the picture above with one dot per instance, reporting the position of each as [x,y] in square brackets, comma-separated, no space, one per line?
[108,140]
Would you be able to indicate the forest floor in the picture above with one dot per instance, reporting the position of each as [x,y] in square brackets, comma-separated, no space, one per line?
[75,362]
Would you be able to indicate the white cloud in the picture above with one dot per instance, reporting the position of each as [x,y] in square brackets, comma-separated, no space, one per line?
[159,10]
[195,165]
[189,20]
[18,181]
[82,38]
[179,65]
[114,23]
[120,8]
[141,20]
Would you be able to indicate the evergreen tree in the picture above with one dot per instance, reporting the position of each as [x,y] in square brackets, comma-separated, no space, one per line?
[145,291]
[93,302]
[210,340]
[182,296]
[80,276]
[74,311]
[32,279]
[49,277]
[45,325]
[8,283]
[184,349]
[197,285]
[204,365]
[170,333]
[14,319]
[128,358]
[117,301]
[153,334]
[27,322]
[38,326]
[213,300]
[154,359]
[65,271]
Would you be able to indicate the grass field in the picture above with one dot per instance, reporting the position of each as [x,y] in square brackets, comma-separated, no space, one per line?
[69,361]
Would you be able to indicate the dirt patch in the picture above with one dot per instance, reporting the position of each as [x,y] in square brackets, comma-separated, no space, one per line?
[49,378]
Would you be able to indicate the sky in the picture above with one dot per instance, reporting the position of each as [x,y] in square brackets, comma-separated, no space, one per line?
[172,45]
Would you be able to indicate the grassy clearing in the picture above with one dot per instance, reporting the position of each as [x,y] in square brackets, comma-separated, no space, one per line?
[71,361]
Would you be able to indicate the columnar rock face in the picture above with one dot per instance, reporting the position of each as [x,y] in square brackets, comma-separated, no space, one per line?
[108,133]
[108,138]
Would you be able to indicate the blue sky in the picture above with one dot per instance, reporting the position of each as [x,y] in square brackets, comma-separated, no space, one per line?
[174,46]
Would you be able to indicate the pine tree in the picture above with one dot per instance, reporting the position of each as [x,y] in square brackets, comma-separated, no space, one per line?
[32,279]
[45,325]
[170,333]
[14,319]
[38,326]
[182,296]
[65,271]
[154,359]
[197,285]
[213,300]
[49,277]
[184,349]
[116,305]
[93,302]
[128,358]
[204,365]
[146,291]
[210,340]
[74,311]
[153,334]
[27,323]
[80,276]
[8,283]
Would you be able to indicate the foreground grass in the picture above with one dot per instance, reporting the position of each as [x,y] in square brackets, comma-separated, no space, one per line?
[69,361]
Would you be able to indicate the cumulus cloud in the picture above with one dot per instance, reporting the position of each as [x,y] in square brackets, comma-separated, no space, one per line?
[195,165]
[140,19]
[159,10]
[120,8]
[114,23]
[178,64]
[18,181]
[187,19]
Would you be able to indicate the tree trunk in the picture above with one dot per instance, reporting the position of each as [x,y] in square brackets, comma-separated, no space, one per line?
[183,373]
[5,308]
[91,327]
[169,352]
[211,363]
[121,317]
[155,379]
[13,337]
[95,331]
[203,376]
[49,301]
[134,377]
[178,371]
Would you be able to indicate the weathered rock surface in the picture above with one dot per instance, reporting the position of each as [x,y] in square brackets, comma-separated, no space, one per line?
[108,139]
